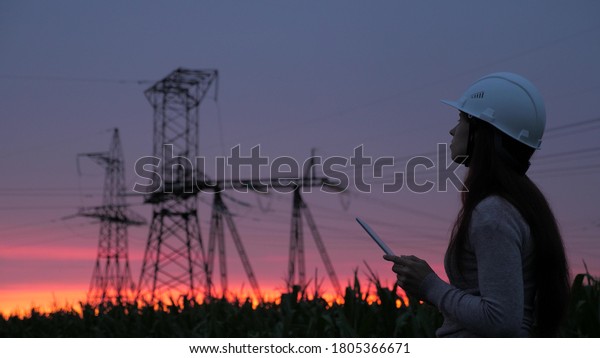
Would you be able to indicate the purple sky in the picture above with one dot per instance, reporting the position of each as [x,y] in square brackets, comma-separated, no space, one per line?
[326,74]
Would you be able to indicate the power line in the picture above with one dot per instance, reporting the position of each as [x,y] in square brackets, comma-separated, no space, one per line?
[70,139]
[45,240]
[36,188]
[568,174]
[39,194]
[341,113]
[36,207]
[554,170]
[572,125]
[568,169]
[29,225]
[565,134]
[76,79]
[568,153]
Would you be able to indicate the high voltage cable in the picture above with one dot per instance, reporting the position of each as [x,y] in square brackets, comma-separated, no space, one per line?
[568,169]
[351,109]
[45,189]
[572,125]
[414,234]
[577,131]
[540,171]
[30,225]
[49,78]
[45,240]
[379,202]
[557,173]
[535,159]
[76,79]
[37,207]
[536,164]
[49,195]
[568,153]
[400,160]
[337,215]
[59,142]
[325,117]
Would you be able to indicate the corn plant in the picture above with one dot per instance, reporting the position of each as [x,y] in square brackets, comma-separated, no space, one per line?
[371,311]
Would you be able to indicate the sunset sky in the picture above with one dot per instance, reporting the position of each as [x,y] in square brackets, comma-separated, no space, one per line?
[329,75]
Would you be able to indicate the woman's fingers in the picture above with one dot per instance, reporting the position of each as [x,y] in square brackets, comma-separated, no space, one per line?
[410,271]
[401,259]
[402,269]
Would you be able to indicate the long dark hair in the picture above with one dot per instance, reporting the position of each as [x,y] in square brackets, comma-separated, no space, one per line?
[493,172]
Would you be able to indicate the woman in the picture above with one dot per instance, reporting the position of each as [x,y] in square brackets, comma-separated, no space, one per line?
[505,261]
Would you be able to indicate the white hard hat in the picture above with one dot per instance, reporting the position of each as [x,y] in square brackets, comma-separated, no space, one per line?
[510,103]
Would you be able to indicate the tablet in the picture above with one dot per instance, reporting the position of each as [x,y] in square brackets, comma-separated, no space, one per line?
[375,237]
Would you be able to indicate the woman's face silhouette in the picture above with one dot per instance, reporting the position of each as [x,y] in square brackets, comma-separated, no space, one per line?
[460,138]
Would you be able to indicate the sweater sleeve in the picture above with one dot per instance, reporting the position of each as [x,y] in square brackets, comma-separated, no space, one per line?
[495,235]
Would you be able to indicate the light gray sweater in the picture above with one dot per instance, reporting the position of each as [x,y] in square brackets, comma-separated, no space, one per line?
[495,295]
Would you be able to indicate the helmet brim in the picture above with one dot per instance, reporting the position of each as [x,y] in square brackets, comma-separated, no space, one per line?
[453,104]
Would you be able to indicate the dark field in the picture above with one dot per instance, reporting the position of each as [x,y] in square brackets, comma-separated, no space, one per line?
[294,316]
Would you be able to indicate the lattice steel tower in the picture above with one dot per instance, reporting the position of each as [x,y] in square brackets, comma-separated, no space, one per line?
[220,217]
[296,253]
[111,279]
[174,263]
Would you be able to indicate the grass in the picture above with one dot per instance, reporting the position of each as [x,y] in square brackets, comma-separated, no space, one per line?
[295,315]
[584,309]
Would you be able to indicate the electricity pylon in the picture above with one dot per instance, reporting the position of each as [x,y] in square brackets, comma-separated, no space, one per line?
[221,216]
[299,210]
[174,262]
[111,280]
[296,252]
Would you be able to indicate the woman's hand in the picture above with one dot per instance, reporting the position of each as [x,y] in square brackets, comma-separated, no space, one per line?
[410,272]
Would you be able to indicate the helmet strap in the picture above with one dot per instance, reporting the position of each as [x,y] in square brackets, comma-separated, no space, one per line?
[518,166]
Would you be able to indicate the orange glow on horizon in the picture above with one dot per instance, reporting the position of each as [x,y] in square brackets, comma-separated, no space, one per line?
[65,281]
[20,300]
